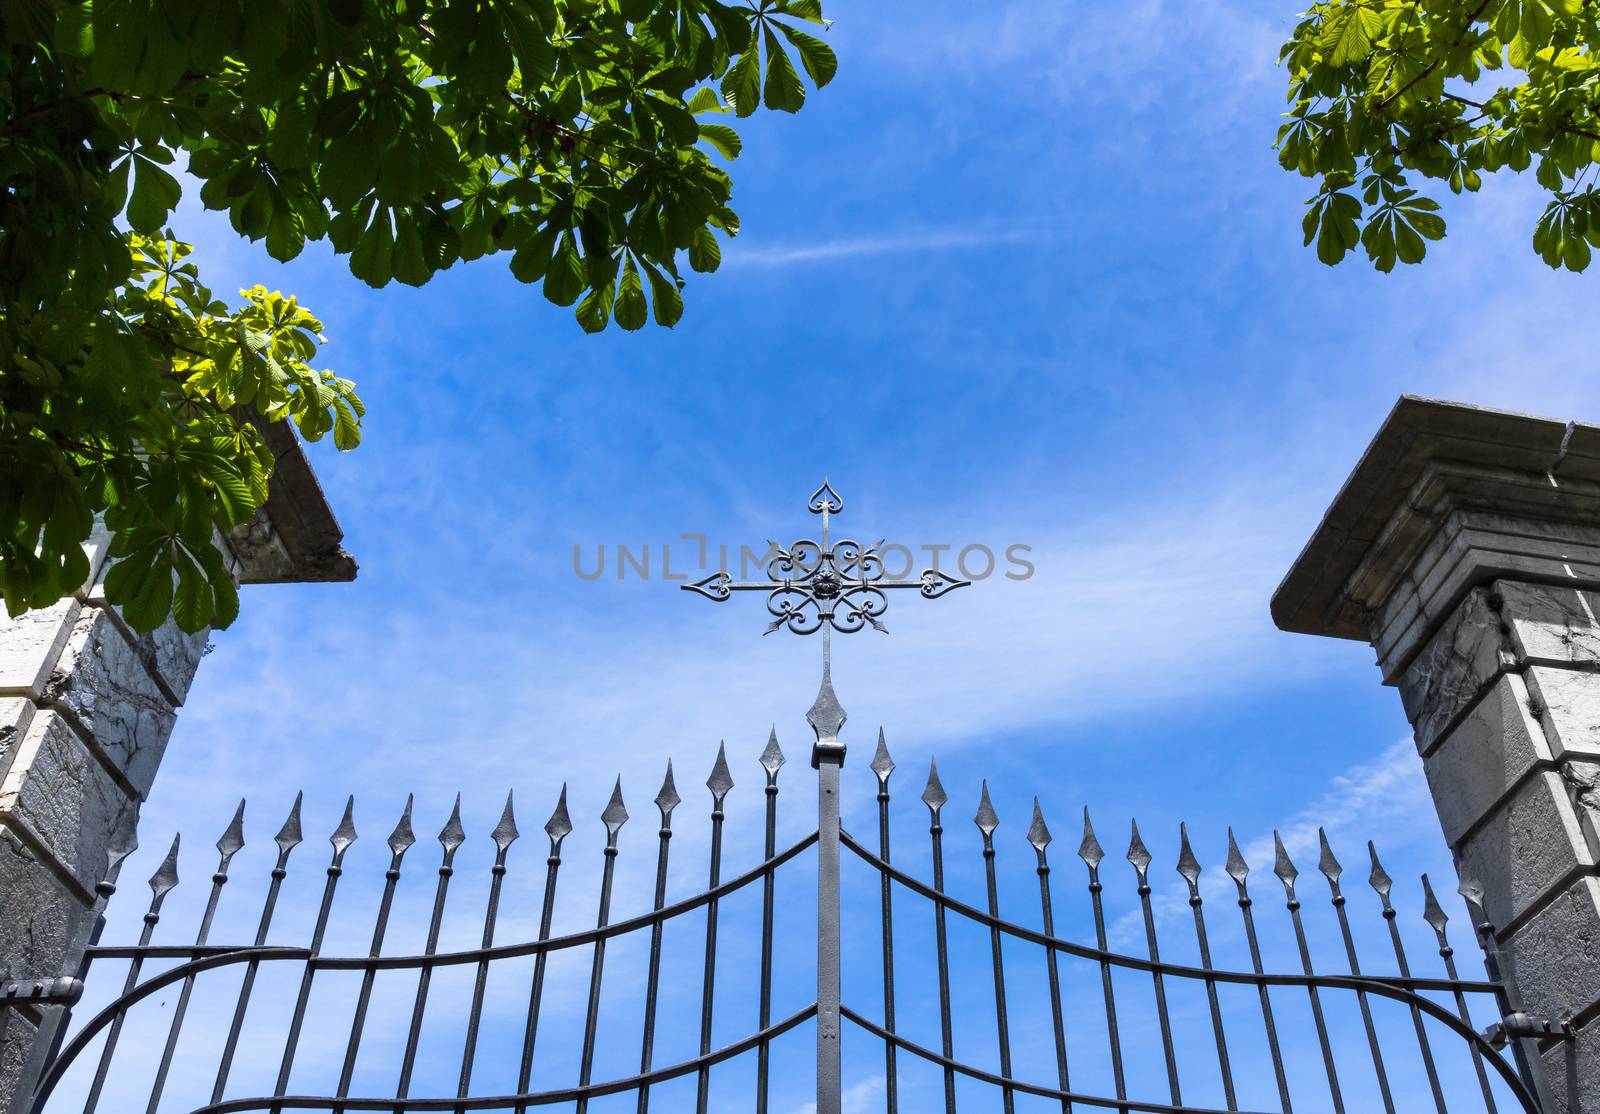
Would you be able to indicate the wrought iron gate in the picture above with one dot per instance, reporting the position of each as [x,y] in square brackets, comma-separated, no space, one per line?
[1144,1073]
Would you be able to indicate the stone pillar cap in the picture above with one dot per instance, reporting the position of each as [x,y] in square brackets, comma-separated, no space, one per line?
[1510,464]
[295,536]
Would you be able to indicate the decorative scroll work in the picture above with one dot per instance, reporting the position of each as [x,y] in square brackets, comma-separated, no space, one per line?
[840,585]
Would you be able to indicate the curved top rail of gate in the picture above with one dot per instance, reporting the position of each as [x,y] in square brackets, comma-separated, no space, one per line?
[92,1044]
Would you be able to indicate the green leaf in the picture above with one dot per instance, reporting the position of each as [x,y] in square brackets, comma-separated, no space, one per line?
[192,602]
[373,259]
[595,309]
[407,260]
[783,90]
[151,602]
[741,85]
[817,56]
[723,138]
[631,310]
[155,194]
[665,297]
[564,280]
[705,254]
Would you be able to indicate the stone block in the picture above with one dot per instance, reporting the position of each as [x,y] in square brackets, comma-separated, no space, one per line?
[1570,703]
[173,656]
[30,645]
[67,800]
[15,714]
[42,922]
[1528,846]
[1573,1071]
[1554,957]
[1487,752]
[1550,624]
[102,681]
[17,1034]
[1453,668]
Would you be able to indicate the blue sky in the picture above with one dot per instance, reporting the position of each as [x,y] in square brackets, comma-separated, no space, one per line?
[1022,274]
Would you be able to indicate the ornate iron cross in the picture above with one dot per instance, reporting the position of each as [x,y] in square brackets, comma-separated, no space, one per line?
[825,585]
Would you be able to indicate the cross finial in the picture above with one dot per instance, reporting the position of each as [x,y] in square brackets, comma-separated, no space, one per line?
[825,586]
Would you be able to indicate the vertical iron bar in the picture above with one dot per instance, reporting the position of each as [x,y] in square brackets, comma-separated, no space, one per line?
[1331,870]
[934,797]
[1189,867]
[666,800]
[614,816]
[771,761]
[1434,914]
[1381,883]
[826,717]
[504,835]
[719,783]
[882,767]
[451,837]
[287,839]
[1139,856]
[558,827]
[1239,871]
[1286,873]
[343,836]
[399,841]
[1090,851]
[1039,839]
[987,822]
[228,846]
[161,883]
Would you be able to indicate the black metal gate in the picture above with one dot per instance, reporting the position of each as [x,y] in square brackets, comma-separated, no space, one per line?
[1144,1064]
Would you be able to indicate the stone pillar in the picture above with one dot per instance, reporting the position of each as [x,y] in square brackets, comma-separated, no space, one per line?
[86,708]
[1465,548]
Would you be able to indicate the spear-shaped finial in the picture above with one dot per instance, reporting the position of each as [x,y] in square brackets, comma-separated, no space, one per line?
[1326,863]
[1236,868]
[1089,850]
[986,819]
[231,840]
[345,834]
[772,759]
[289,836]
[1432,911]
[1379,879]
[401,839]
[615,814]
[505,832]
[1188,865]
[667,799]
[1281,866]
[1038,833]
[166,875]
[720,780]
[452,835]
[1138,854]
[560,824]
[933,794]
[882,764]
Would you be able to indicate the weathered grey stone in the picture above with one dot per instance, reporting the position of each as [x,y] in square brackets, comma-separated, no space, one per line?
[1529,845]
[1554,957]
[1492,748]
[1569,704]
[101,679]
[1452,670]
[15,714]
[30,645]
[60,793]
[40,919]
[1573,1069]
[17,1033]
[1550,624]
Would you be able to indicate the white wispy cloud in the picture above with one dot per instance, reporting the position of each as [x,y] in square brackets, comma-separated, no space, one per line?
[858,247]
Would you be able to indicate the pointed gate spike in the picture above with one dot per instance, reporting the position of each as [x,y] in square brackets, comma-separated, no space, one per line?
[166,875]
[1432,911]
[345,834]
[560,824]
[452,835]
[1281,866]
[289,836]
[1188,865]
[933,794]
[772,757]
[1326,863]
[1038,833]
[402,837]
[505,832]
[668,798]
[232,839]
[1236,868]
[615,815]
[882,764]
[986,820]
[720,780]
[1138,854]
[1472,893]
[1379,878]
[825,497]
[1089,850]
[115,857]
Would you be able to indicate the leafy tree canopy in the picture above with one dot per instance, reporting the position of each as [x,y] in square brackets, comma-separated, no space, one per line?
[1385,94]
[575,136]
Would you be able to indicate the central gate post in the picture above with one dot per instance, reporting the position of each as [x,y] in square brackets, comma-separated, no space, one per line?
[827,756]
